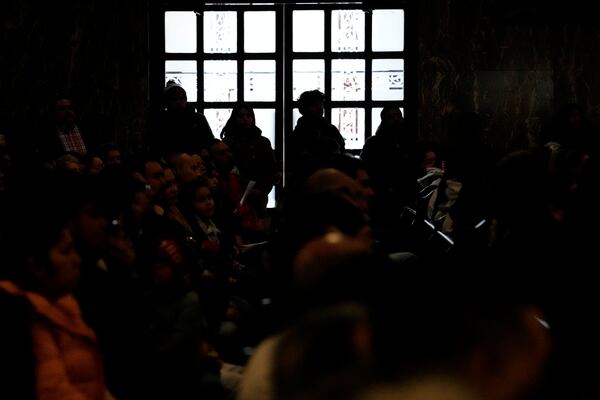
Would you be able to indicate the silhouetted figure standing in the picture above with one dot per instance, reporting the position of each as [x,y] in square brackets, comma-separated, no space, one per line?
[313,136]
[252,152]
[389,158]
[180,129]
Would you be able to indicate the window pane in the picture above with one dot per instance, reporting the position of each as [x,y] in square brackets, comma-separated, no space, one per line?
[180,32]
[308,75]
[217,118]
[347,30]
[388,79]
[351,123]
[259,32]
[376,118]
[220,80]
[347,79]
[259,80]
[388,30]
[220,32]
[308,30]
[295,116]
[185,74]
[272,202]
[265,120]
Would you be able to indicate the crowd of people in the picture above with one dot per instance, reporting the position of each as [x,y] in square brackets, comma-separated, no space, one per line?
[415,271]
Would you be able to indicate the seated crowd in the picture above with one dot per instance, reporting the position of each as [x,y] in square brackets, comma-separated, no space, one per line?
[415,271]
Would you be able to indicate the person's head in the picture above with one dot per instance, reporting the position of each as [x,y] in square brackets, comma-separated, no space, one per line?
[242,122]
[60,274]
[110,154]
[429,160]
[50,217]
[188,167]
[428,157]
[212,177]
[332,180]
[355,169]
[391,117]
[64,111]
[97,206]
[140,204]
[196,199]
[326,270]
[153,174]
[243,117]
[69,162]
[176,97]
[324,354]
[170,191]
[221,155]
[44,259]
[481,331]
[95,166]
[198,164]
[311,103]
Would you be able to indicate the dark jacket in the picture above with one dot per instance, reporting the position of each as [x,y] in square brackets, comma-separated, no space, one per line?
[314,137]
[181,131]
[254,157]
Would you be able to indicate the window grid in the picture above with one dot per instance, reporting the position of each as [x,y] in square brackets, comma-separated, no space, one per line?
[283,57]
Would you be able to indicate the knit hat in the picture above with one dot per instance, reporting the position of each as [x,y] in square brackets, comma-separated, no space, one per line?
[172,84]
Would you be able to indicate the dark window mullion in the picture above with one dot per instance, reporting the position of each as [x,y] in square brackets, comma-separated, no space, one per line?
[280,89]
[327,56]
[368,71]
[231,104]
[200,60]
[288,67]
[240,55]
[180,56]
[157,74]
[313,55]
[348,104]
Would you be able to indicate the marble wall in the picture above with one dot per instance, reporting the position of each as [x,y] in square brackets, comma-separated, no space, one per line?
[97,50]
[511,61]
[514,62]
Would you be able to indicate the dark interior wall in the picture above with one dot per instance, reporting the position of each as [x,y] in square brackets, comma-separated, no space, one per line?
[97,51]
[514,62]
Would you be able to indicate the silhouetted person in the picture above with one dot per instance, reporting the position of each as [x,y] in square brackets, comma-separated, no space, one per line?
[389,158]
[252,153]
[313,136]
[60,134]
[180,129]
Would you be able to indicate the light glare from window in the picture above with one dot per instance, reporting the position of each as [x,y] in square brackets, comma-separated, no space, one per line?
[308,30]
[388,30]
[180,32]
[259,32]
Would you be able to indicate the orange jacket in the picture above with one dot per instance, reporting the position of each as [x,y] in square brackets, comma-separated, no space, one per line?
[68,364]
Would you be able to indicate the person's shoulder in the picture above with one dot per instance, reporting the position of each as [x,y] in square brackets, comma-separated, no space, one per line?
[264,141]
[370,141]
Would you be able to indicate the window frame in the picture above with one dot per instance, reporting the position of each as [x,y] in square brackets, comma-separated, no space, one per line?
[284,55]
